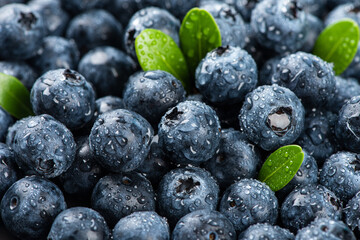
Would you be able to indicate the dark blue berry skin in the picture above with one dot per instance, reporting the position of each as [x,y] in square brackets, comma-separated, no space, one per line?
[42,146]
[184,190]
[123,10]
[84,173]
[179,8]
[229,21]
[345,89]
[305,203]
[150,17]
[190,132]
[66,95]
[79,223]
[325,228]
[5,2]
[272,116]
[347,127]
[309,77]
[29,207]
[247,202]
[314,26]
[22,26]
[340,174]
[266,231]
[142,225]
[244,7]
[307,174]
[353,70]
[226,75]
[78,6]
[268,70]
[318,137]
[236,159]
[152,93]
[108,69]
[107,104]
[55,18]
[8,174]
[95,28]
[352,213]
[200,225]
[156,164]
[280,25]
[5,122]
[56,52]
[21,70]
[346,10]
[313,7]
[118,195]
[121,140]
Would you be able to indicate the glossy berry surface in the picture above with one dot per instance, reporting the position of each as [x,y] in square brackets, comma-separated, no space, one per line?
[267,231]
[8,174]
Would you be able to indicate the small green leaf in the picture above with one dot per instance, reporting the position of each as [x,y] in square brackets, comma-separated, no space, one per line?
[158,51]
[14,97]
[338,44]
[281,166]
[199,34]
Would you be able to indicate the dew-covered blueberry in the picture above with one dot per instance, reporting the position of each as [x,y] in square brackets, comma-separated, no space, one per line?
[190,132]
[121,140]
[352,213]
[184,190]
[29,207]
[8,174]
[272,116]
[5,122]
[266,231]
[142,225]
[66,95]
[345,89]
[226,75]
[118,195]
[21,70]
[78,6]
[247,202]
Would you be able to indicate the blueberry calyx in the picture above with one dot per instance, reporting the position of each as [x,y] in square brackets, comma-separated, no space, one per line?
[230,14]
[131,37]
[46,166]
[27,20]
[356,163]
[294,8]
[71,76]
[187,186]
[14,202]
[221,50]
[279,120]
[174,114]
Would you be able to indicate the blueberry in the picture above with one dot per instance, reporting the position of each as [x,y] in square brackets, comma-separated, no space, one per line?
[247,202]
[22,26]
[226,75]
[266,231]
[268,70]
[107,104]
[309,77]
[42,146]
[123,9]
[313,7]
[8,174]
[325,228]
[152,93]
[5,2]
[21,70]
[318,137]
[352,71]
[203,225]
[55,18]
[229,21]
[118,195]
[345,10]
[352,213]
[94,28]
[150,17]
[29,207]
[179,8]
[107,68]
[142,225]
[56,52]
[341,175]
[190,132]
[121,140]
[347,127]
[236,159]
[245,7]
[272,116]
[184,190]
[78,6]
[280,25]
[345,88]
[5,122]
[305,203]
[85,171]
[66,95]
[79,223]
[315,26]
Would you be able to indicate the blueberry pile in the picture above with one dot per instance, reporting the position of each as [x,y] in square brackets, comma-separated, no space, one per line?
[114,152]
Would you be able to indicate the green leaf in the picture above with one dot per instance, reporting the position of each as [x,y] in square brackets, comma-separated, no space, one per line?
[158,51]
[338,44]
[281,166]
[199,34]
[14,97]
